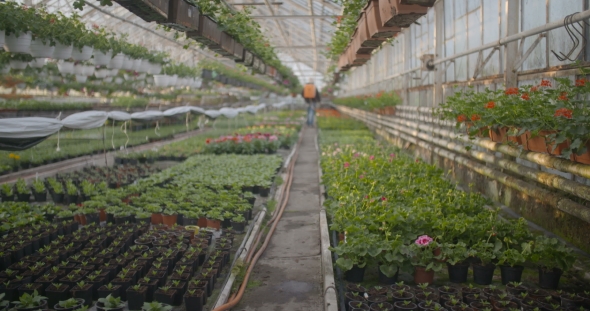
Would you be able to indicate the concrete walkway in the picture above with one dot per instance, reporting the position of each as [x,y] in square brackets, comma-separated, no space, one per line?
[288,275]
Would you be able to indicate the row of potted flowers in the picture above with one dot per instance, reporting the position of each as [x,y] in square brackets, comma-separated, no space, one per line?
[403,215]
[549,117]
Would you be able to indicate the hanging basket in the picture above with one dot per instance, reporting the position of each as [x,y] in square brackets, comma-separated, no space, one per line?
[38,63]
[81,78]
[161,80]
[39,49]
[148,10]
[395,13]
[62,51]
[374,24]
[365,38]
[227,45]
[116,62]
[65,67]
[18,64]
[82,55]
[182,16]
[102,73]
[238,52]
[208,32]
[18,44]
[102,59]
[79,69]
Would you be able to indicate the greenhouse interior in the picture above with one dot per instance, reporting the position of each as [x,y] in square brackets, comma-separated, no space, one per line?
[295,155]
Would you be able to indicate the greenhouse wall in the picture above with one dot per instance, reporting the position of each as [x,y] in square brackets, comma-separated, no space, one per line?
[530,185]
[455,26]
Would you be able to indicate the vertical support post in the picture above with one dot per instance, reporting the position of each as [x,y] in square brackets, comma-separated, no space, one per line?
[439,43]
[511,56]
[407,65]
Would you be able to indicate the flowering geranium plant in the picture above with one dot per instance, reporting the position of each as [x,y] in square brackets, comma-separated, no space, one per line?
[422,253]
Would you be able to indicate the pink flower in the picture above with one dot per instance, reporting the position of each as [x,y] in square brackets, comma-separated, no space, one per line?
[362,176]
[273,138]
[423,240]
[346,164]
[371,158]
[383,199]
[356,155]
[392,155]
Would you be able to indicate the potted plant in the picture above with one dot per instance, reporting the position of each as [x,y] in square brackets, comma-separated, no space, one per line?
[238,223]
[30,302]
[110,303]
[22,191]
[136,296]
[83,290]
[69,304]
[3,303]
[156,211]
[422,257]
[7,193]
[214,218]
[485,254]
[353,256]
[109,290]
[169,216]
[193,299]
[57,292]
[72,193]
[39,191]
[142,217]
[157,306]
[552,258]
[456,255]
[165,295]
[511,262]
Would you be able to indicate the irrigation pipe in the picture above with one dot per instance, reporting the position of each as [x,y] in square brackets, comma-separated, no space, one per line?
[238,296]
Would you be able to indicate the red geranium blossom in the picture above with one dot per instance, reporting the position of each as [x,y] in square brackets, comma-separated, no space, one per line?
[545,83]
[207,141]
[534,89]
[490,105]
[461,118]
[475,117]
[563,112]
[563,96]
[580,82]
[511,91]
[525,96]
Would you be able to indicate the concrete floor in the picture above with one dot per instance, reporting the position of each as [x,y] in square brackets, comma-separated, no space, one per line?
[288,275]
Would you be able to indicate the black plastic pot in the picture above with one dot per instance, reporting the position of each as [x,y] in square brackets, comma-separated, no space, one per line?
[358,305]
[92,218]
[238,226]
[226,223]
[40,196]
[458,272]
[355,274]
[194,302]
[511,274]
[483,275]
[57,197]
[86,295]
[264,191]
[189,221]
[135,299]
[23,197]
[71,199]
[383,279]
[549,278]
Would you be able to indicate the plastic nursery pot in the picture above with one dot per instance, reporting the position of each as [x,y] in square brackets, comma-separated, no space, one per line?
[383,279]
[405,306]
[381,306]
[458,272]
[511,274]
[79,301]
[238,226]
[169,220]
[42,305]
[358,305]
[214,224]
[355,274]
[156,218]
[549,278]
[483,275]
[423,276]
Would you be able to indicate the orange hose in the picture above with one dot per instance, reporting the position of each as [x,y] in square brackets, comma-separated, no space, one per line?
[238,296]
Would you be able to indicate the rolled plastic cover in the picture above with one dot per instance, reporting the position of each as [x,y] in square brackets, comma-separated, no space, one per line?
[119,116]
[29,127]
[177,110]
[85,120]
[147,115]
[212,114]
[229,112]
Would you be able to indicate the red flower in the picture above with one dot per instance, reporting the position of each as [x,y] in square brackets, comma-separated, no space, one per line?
[383,199]
[563,96]
[475,117]
[580,82]
[563,112]
[534,89]
[545,83]
[461,118]
[525,96]
[490,105]
[511,91]
[346,165]
[207,141]
[52,21]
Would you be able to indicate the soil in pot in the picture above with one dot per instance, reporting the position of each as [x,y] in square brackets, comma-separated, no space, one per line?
[515,290]
[402,295]
[354,305]
[104,291]
[136,297]
[377,291]
[376,299]
[165,296]
[483,275]
[352,287]
[571,301]
[193,300]
[353,296]
[405,306]
[428,305]
[355,274]
[56,294]
[30,288]
[84,293]
[381,306]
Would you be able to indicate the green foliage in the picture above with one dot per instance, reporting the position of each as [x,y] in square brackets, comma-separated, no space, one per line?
[111,302]
[370,102]
[30,300]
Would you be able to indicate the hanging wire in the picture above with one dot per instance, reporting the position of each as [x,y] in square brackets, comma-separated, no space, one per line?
[124,129]
[571,29]
[157,128]
[113,136]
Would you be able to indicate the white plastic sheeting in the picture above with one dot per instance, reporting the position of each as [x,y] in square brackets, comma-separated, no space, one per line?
[29,127]
[85,120]
[119,116]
